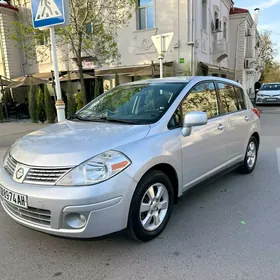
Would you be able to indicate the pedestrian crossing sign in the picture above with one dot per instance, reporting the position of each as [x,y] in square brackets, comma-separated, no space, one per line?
[47,13]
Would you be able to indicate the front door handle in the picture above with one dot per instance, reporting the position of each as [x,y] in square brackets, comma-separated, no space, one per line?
[221,127]
[246,118]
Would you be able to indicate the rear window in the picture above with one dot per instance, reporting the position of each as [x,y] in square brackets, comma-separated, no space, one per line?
[271,87]
[228,97]
[240,97]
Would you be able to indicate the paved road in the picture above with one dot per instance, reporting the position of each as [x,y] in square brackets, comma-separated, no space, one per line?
[206,238]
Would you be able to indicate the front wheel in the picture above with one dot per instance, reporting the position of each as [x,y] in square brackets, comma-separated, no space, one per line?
[151,206]
[251,157]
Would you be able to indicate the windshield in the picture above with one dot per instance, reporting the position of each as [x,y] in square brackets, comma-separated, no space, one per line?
[137,104]
[271,87]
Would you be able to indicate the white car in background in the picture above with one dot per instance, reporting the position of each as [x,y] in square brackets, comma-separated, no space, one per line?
[269,94]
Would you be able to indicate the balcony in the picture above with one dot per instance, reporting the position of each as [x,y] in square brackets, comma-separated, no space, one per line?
[220,50]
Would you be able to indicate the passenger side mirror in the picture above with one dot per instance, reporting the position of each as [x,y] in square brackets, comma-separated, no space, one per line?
[193,119]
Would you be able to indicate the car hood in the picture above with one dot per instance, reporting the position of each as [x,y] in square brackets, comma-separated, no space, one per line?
[270,92]
[70,143]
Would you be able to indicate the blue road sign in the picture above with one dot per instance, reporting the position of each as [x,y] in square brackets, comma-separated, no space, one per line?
[47,13]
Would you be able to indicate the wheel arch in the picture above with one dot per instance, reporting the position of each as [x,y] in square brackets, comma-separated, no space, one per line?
[171,173]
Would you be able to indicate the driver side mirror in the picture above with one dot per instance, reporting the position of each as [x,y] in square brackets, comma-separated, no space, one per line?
[193,119]
[257,90]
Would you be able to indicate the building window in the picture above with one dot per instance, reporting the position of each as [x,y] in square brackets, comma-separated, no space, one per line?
[204,14]
[42,38]
[225,30]
[145,14]
[88,28]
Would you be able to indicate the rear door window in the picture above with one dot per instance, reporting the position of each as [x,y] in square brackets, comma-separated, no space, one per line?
[228,98]
[240,97]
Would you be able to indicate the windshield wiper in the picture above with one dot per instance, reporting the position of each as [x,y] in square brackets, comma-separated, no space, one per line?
[117,120]
[76,117]
[100,119]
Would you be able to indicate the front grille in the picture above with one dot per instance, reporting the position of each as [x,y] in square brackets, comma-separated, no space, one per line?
[10,165]
[37,216]
[36,175]
[45,176]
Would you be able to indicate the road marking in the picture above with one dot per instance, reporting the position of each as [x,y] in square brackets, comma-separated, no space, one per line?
[278,158]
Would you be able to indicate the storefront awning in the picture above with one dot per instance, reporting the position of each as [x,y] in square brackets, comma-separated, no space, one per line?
[215,68]
[132,70]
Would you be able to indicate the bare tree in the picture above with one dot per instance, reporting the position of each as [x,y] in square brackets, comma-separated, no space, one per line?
[92,32]
[267,48]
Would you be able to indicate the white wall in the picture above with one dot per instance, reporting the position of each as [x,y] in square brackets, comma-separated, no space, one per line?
[11,62]
[136,47]
[239,43]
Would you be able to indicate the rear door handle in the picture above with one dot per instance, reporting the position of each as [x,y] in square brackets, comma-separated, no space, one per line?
[246,118]
[221,127]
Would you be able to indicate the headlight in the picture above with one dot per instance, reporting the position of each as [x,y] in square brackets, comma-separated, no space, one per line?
[96,170]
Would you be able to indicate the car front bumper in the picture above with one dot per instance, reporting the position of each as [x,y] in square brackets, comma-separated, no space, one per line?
[267,100]
[102,208]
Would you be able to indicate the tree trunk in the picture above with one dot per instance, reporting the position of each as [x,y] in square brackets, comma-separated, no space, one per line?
[82,81]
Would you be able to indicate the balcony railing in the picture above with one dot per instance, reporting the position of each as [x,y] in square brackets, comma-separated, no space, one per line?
[220,49]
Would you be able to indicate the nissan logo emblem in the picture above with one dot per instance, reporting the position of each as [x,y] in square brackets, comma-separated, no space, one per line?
[19,173]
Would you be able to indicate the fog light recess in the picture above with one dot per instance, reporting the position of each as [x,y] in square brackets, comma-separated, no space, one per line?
[75,220]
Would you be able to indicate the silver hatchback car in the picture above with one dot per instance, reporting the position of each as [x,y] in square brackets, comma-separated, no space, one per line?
[124,159]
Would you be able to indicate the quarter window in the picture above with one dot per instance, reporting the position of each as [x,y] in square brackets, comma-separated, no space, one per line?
[228,98]
[145,14]
[203,97]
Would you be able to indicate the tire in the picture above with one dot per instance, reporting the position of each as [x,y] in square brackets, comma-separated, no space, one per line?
[248,165]
[158,206]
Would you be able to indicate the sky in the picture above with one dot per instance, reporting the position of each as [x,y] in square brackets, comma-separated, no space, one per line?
[268,18]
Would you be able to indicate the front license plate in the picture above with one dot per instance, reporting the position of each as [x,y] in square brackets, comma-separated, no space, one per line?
[271,99]
[17,199]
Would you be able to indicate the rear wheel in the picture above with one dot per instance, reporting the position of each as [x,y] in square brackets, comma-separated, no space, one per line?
[251,157]
[151,206]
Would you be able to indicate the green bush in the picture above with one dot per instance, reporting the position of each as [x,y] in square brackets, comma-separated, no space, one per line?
[32,104]
[79,100]
[71,105]
[41,111]
[50,107]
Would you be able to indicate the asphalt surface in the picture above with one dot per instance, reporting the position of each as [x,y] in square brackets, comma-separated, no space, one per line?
[226,230]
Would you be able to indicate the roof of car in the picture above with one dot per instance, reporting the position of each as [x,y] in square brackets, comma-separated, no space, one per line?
[185,79]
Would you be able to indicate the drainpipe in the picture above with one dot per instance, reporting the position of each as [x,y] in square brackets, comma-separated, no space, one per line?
[190,15]
[193,36]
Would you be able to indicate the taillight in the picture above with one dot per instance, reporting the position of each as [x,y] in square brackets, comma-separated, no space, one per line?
[257,112]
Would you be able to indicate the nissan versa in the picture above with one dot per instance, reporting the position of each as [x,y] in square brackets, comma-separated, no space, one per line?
[125,158]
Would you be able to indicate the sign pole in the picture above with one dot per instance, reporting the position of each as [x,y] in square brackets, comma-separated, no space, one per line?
[60,106]
[162,43]
[161,65]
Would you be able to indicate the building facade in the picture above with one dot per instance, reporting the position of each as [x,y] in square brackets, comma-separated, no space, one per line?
[201,44]
[245,45]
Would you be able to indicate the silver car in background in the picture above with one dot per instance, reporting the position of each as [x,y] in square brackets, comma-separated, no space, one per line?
[123,161]
[268,94]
